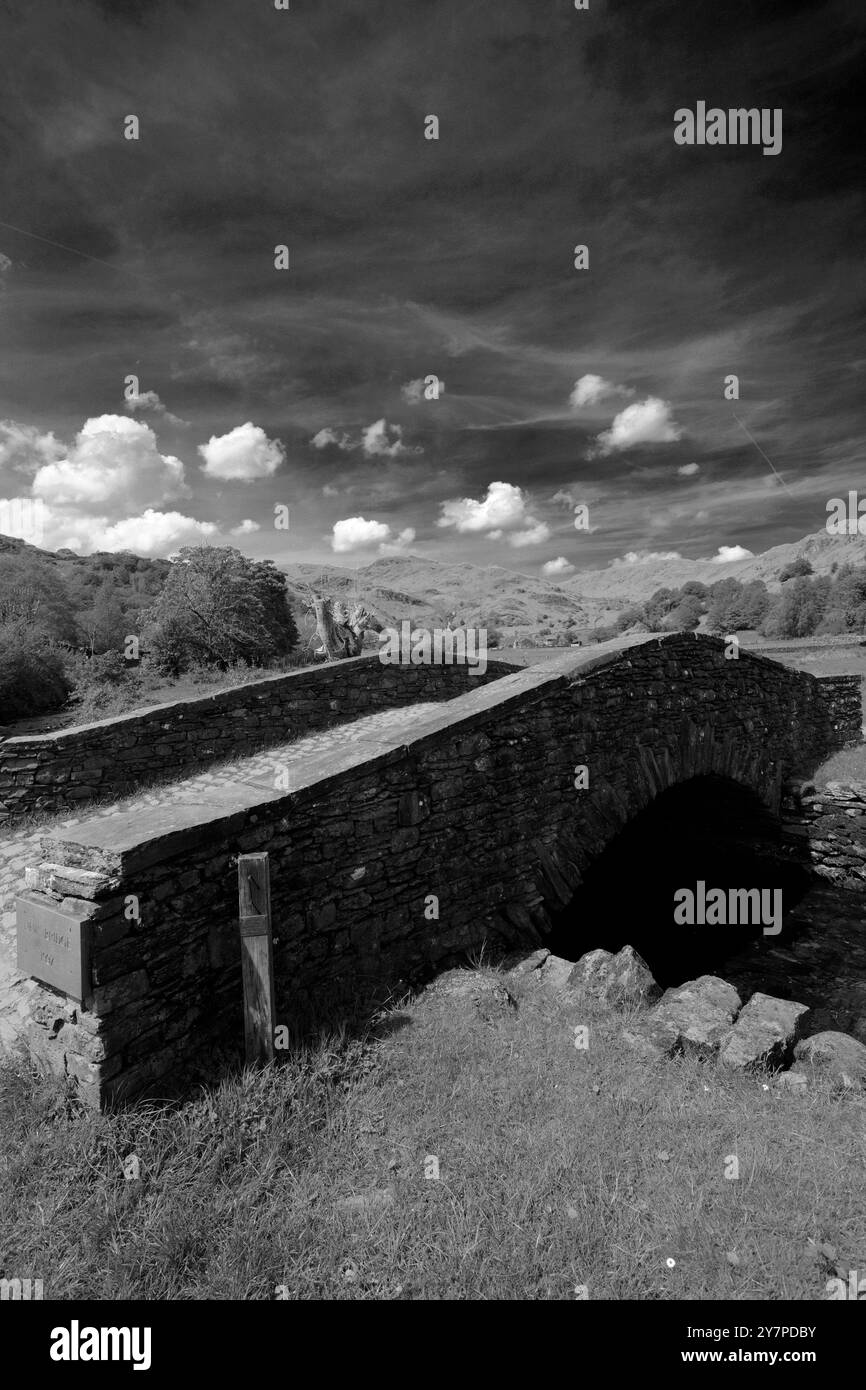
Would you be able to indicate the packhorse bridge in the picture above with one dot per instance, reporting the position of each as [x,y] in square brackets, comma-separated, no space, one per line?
[395,843]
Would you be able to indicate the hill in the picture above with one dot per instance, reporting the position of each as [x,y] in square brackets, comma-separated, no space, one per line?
[425,591]
[621,584]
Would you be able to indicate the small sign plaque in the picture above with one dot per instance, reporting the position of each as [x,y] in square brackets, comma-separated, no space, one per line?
[53,947]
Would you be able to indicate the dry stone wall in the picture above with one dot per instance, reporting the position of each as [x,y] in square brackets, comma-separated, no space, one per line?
[63,771]
[827,826]
[397,857]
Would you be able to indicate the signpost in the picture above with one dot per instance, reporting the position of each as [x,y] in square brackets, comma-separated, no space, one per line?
[257,955]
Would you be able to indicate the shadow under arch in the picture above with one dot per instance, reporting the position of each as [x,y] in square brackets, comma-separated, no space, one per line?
[708,828]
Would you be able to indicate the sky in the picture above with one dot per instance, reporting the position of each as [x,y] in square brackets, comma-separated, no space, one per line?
[414,260]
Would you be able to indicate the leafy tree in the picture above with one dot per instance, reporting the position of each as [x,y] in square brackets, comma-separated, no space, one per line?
[734,606]
[629,617]
[798,569]
[662,602]
[31,592]
[797,612]
[103,626]
[219,607]
[845,609]
[685,617]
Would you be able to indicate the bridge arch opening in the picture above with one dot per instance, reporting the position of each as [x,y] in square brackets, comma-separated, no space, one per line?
[708,830]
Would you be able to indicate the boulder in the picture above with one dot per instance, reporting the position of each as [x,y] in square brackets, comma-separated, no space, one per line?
[621,979]
[832,1054]
[791,1080]
[651,1048]
[695,1016]
[476,989]
[764,1033]
[555,973]
[520,967]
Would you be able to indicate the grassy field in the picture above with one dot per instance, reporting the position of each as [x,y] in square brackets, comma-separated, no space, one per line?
[557,1168]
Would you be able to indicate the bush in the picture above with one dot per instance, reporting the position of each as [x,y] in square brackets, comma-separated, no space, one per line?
[32,675]
[105,685]
[798,569]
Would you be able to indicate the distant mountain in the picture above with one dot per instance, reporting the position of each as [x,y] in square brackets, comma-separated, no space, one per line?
[426,591]
[623,584]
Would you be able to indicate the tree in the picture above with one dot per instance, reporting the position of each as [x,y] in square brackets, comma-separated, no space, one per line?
[685,617]
[32,675]
[219,607]
[734,606]
[103,626]
[845,609]
[32,593]
[798,569]
[798,611]
[662,602]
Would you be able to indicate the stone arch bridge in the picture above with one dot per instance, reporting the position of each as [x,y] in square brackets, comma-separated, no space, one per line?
[393,852]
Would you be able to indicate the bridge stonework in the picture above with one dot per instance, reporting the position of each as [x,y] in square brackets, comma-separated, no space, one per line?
[111,757]
[389,859]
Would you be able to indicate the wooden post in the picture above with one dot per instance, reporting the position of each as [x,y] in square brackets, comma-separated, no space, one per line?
[257,955]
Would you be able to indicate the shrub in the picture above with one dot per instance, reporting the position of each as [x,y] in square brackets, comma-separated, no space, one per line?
[32,675]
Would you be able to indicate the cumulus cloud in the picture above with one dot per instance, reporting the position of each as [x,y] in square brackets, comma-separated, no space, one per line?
[501,512]
[413,391]
[533,535]
[329,436]
[503,506]
[151,533]
[329,491]
[246,528]
[113,466]
[106,491]
[377,440]
[558,566]
[399,544]
[727,553]
[591,390]
[24,448]
[645,557]
[383,439]
[356,533]
[689,470]
[245,453]
[645,422]
[148,401]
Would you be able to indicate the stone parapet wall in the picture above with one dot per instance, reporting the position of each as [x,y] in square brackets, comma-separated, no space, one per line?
[110,758]
[396,857]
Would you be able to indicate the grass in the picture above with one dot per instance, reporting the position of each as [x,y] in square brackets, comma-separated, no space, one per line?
[557,1168]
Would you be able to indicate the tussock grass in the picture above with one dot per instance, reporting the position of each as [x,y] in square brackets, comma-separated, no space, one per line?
[557,1168]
